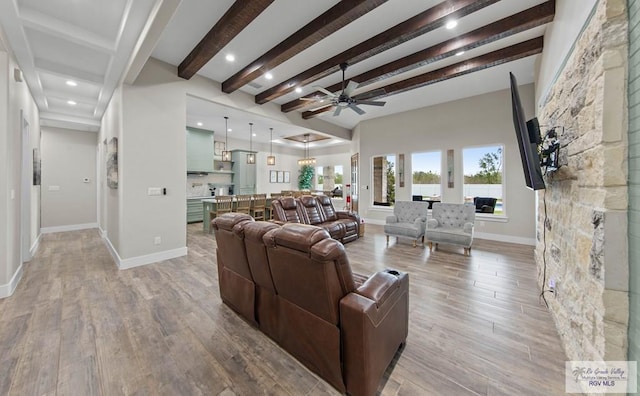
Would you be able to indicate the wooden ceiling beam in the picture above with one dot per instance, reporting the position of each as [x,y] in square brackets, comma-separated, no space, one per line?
[418,25]
[495,58]
[330,21]
[528,19]
[238,16]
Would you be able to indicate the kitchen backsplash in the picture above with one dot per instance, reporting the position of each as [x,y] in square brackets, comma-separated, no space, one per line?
[197,185]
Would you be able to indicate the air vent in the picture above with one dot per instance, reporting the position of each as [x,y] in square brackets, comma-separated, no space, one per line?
[255,85]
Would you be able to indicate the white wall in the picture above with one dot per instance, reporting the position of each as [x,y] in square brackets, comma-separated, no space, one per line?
[110,214]
[475,121]
[68,157]
[14,99]
[560,36]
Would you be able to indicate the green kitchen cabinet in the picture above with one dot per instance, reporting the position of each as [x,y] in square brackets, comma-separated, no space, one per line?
[199,150]
[194,210]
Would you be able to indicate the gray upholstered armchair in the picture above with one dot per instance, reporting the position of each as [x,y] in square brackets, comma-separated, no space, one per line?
[451,224]
[408,220]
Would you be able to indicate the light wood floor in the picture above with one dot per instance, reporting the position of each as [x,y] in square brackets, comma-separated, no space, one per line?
[78,326]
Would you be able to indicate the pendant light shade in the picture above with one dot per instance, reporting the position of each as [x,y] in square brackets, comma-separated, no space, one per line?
[271,159]
[226,154]
[251,157]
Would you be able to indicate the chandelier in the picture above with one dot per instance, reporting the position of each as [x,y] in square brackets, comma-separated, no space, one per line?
[306,160]
[251,156]
[271,159]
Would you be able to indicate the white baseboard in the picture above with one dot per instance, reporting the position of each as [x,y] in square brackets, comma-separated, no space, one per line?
[480,235]
[72,227]
[35,246]
[143,260]
[8,289]
[505,238]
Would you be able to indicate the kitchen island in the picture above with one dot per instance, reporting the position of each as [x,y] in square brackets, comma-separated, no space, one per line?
[210,204]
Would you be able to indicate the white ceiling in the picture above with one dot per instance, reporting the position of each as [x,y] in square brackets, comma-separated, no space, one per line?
[94,42]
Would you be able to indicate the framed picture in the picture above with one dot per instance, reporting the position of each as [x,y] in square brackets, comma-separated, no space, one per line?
[280,177]
[287,177]
[112,163]
[218,148]
[273,176]
[36,167]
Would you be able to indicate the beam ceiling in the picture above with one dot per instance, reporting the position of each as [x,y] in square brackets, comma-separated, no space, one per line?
[418,25]
[330,21]
[504,55]
[237,17]
[528,19]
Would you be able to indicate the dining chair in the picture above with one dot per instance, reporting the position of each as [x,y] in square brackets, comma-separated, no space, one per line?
[259,207]
[244,204]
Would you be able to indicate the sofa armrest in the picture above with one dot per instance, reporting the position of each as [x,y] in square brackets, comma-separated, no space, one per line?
[391,219]
[468,228]
[343,214]
[432,223]
[374,324]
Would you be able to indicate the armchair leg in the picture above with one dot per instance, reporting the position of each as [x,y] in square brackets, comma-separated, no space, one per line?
[387,239]
[430,246]
[414,243]
[467,251]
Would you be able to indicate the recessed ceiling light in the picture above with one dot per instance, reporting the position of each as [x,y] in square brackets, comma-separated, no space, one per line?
[268,76]
[459,53]
[72,102]
[451,24]
[72,83]
[298,90]
[254,135]
[199,123]
[229,130]
[230,58]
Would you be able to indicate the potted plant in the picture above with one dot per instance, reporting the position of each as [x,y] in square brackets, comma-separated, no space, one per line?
[305,177]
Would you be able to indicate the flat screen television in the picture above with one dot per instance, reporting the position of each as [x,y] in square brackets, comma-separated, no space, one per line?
[528,134]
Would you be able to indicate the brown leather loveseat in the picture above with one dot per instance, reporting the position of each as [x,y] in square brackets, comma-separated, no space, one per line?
[319,211]
[300,291]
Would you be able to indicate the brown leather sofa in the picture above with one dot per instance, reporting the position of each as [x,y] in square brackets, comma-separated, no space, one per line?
[343,326]
[318,211]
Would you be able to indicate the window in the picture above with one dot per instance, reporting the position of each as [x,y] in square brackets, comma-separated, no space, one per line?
[483,178]
[329,180]
[384,180]
[426,175]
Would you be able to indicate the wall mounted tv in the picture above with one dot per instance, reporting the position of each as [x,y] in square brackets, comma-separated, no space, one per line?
[528,134]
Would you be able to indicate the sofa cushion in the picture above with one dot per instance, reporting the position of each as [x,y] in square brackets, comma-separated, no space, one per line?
[403,229]
[454,236]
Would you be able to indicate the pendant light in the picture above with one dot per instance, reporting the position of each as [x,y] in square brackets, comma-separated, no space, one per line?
[226,154]
[271,159]
[251,157]
[306,160]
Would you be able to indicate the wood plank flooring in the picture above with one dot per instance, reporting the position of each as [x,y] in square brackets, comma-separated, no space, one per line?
[76,325]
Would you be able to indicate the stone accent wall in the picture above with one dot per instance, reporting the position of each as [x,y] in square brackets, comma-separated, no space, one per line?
[583,241]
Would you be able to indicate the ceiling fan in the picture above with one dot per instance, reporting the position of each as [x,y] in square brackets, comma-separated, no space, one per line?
[344,99]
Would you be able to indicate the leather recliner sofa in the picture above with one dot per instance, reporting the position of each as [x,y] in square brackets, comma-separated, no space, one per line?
[319,211]
[345,327]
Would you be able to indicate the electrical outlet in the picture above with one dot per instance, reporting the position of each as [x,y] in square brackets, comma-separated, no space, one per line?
[157,240]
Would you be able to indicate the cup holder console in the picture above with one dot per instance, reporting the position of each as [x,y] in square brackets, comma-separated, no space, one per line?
[392,272]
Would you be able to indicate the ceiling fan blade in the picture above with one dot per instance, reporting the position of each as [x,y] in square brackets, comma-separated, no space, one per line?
[370,94]
[338,110]
[324,91]
[371,103]
[355,108]
[350,87]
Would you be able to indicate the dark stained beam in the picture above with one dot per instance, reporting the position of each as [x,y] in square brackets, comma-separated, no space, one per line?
[420,24]
[330,21]
[237,17]
[495,58]
[528,19]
